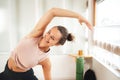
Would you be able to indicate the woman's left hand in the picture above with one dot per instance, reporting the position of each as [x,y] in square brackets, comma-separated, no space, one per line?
[89,25]
[83,20]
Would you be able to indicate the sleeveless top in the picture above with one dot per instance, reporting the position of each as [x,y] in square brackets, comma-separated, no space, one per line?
[27,54]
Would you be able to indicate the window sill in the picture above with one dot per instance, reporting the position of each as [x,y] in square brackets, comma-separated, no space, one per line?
[114,70]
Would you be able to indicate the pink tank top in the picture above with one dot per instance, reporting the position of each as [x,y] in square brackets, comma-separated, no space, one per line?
[27,53]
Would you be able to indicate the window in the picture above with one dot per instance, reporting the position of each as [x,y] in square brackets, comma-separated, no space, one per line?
[106,34]
[107,13]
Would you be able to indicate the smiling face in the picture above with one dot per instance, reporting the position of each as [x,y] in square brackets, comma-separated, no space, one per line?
[52,37]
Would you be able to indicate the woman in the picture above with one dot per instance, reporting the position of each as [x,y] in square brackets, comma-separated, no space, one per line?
[33,49]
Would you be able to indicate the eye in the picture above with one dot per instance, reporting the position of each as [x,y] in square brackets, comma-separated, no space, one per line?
[52,38]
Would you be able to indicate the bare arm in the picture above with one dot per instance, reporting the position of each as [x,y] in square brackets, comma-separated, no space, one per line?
[56,12]
[66,13]
[46,65]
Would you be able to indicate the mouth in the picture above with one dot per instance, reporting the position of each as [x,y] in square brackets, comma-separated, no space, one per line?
[47,41]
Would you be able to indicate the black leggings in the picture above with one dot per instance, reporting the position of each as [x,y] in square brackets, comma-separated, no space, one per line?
[8,74]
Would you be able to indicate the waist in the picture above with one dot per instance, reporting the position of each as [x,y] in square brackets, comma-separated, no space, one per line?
[12,66]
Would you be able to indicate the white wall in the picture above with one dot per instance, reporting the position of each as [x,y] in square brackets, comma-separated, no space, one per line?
[3,59]
[63,67]
[29,11]
[25,13]
[22,15]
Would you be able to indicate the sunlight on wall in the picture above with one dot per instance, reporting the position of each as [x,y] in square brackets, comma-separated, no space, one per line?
[2,19]
[22,17]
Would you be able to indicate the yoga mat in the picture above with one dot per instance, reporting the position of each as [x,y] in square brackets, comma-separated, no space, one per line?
[79,68]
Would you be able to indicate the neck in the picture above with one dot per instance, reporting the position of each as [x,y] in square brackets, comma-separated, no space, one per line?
[42,46]
[44,49]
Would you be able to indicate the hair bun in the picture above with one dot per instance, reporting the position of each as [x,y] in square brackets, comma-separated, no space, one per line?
[70,37]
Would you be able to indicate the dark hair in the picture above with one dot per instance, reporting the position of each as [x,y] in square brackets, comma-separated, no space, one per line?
[65,35]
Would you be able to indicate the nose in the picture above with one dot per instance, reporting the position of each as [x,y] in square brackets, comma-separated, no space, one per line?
[47,37]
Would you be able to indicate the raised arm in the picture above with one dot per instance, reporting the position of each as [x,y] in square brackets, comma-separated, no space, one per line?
[56,12]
